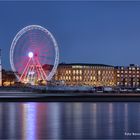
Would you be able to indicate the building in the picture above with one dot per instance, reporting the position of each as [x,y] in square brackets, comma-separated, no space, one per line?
[0,70]
[8,78]
[86,74]
[128,76]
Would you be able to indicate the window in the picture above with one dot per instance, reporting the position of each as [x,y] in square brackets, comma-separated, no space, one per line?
[66,77]
[133,68]
[91,78]
[73,71]
[77,78]
[76,66]
[118,75]
[76,71]
[99,72]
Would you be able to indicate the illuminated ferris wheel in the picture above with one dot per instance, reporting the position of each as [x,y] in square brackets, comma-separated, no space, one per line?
[34,54]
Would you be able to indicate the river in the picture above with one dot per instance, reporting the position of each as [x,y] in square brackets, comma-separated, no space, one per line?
[66,120]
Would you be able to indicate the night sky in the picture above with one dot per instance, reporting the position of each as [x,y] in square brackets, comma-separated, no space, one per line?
[86,32]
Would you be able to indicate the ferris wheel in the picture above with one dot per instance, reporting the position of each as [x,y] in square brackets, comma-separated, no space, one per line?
[34,54]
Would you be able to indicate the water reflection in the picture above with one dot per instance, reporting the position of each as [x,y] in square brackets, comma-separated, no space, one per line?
[126,117]
[94,120]
[32,121]
[110,119]
[29,121]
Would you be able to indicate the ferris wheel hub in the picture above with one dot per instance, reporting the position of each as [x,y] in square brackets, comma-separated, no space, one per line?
[30,54]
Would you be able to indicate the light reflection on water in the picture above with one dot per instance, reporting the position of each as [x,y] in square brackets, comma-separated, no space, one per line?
[32,121]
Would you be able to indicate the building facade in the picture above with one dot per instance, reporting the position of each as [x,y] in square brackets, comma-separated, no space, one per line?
[86,74]
[128,76]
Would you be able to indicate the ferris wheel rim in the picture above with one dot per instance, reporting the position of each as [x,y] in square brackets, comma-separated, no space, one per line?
[17,37]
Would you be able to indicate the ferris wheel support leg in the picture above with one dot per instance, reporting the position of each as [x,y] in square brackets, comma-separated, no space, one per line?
[33,76]
[24,71]
[42,71]
[38,75]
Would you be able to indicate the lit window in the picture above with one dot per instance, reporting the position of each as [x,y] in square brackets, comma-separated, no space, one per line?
[133,68]
[91,78]
[76,66]
[118,71]
[118,75]
[80,71]
[77,77]
[99,72]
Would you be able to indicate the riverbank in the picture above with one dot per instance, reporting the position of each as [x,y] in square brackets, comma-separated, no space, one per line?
[68,97]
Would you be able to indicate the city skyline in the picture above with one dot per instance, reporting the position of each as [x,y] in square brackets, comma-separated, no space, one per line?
[86,32]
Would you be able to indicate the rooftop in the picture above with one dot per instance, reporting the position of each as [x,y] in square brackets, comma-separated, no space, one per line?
[84,64]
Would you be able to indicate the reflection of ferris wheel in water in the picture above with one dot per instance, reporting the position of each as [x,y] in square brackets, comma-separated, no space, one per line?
[34,54]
